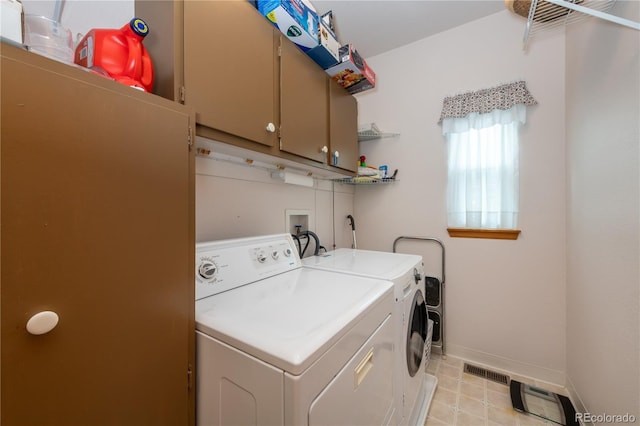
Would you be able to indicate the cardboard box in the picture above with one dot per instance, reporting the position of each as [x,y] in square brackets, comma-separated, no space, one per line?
[328,49]
[352,72]
[327,19]
[294,18]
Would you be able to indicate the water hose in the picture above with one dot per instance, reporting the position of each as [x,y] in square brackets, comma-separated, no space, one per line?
[352,223]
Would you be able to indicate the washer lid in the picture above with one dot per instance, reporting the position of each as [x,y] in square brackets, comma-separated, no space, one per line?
[291,319]
[375,264]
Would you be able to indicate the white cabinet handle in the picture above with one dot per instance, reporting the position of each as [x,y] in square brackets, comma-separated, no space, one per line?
[336,154]
[42,322]
[271,127]
[324,149]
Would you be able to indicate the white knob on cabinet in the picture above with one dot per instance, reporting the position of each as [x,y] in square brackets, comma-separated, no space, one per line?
[271,127]
[42,322]
[324,149]
[335,159]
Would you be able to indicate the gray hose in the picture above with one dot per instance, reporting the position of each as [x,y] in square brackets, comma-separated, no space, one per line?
[308,234]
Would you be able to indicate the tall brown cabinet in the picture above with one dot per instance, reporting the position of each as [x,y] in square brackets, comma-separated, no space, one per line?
[97,211]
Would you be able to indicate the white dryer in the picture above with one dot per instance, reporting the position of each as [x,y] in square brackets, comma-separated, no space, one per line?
[280,344]
[413,388]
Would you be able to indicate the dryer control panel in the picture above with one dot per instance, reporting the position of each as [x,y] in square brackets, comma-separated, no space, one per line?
[227,264]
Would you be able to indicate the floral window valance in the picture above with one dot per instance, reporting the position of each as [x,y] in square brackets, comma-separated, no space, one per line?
[503,97]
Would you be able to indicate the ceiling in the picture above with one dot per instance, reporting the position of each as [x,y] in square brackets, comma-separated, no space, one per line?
[377,26]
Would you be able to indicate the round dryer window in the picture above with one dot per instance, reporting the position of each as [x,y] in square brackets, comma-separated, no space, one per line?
[417,333]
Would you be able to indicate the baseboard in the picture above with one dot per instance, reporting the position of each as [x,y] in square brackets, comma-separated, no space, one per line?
[508,366]
[577,402]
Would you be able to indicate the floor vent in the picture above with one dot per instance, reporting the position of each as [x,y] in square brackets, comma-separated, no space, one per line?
[487,374]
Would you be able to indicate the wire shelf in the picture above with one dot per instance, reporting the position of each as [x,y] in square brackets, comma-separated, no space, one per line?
[364,180]
[546,15]
[370,131]
[369,135]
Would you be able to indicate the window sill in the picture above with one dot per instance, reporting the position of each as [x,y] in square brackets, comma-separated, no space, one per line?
[495,234]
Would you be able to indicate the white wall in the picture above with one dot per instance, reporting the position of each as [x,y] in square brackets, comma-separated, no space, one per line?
[238,201]
[82,15]
[505,299]
[603,162]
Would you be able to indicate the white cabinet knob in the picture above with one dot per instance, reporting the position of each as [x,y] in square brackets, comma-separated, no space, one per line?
[42,322]
[324,149]
[335,158]
[271,127]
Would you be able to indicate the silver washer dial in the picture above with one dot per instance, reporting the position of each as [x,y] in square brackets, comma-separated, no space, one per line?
[208,270]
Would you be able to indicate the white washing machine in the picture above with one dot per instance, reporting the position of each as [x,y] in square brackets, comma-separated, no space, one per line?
[280,344]
[414,388]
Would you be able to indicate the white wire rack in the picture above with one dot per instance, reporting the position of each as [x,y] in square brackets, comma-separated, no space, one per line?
[546,15]
[369,132]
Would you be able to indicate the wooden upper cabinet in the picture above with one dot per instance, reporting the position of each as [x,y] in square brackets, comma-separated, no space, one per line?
[230,69]
[343,128]
[304,105]
[249,85]
[165,44]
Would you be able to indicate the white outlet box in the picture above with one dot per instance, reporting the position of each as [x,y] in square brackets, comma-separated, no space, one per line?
[294,218]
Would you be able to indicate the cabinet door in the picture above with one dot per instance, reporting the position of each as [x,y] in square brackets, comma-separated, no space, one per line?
[343,128]
[304,105]
[230,70]
[97,210]
[165,44]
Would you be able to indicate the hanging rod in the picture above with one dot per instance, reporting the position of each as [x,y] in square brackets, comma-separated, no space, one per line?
[598,14]
[548,14]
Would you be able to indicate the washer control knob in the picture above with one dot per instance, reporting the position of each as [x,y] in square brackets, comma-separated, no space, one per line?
[287,252]
[261,257]
[208,270]
[275,254]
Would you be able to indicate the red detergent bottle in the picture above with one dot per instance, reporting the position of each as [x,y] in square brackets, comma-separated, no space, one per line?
[119,53]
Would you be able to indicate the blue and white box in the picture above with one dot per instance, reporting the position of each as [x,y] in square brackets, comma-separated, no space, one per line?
[294,18]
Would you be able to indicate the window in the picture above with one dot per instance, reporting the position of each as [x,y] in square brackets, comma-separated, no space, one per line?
[483,160]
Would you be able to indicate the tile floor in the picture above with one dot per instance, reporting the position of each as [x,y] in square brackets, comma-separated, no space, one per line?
[462,399]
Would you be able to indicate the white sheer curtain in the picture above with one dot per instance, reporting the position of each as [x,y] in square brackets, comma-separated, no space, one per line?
[483,168]
[481,129]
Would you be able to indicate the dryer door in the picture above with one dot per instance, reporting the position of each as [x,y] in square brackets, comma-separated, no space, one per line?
[417,333]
